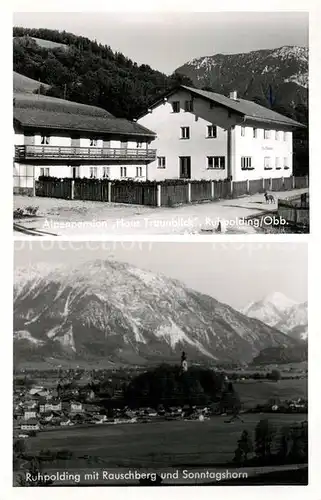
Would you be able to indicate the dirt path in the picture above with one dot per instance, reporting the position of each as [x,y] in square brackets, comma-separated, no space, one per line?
[87,218]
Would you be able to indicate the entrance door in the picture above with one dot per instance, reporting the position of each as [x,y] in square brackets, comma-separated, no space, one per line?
[185,167]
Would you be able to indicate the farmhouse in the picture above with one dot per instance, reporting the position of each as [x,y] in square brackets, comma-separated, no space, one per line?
[59,138]
[204,135]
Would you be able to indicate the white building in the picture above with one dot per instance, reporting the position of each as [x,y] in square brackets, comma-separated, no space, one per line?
[204,135]
[59,138]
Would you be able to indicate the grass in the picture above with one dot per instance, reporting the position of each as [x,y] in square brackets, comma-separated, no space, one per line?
[253,393]
[22,83]
[156,444]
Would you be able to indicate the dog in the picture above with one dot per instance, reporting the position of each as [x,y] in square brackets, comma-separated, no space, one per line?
[269,198]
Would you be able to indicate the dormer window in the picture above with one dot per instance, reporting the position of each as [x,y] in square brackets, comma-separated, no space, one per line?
[189,106]
[176,106]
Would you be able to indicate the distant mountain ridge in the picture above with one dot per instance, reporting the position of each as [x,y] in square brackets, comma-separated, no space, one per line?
[278,311]
[280,74]
[114,311]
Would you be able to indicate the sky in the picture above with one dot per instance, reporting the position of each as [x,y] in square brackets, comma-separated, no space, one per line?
[234,273]
[165,41]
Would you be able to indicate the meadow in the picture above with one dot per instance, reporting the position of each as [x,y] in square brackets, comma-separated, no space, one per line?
[154,444]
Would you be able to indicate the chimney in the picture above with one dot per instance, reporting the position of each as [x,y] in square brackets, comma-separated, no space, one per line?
[233,95]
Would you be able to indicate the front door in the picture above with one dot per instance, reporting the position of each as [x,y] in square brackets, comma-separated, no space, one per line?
[185,167]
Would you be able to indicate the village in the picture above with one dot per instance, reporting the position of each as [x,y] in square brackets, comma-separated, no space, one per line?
[71,402]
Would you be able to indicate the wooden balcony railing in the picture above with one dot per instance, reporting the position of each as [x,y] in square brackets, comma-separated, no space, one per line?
[83,153]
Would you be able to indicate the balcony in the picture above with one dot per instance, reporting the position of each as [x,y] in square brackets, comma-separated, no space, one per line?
[83,153]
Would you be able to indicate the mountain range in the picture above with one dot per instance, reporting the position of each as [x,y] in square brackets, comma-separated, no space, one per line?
[109,310]
[275,77]
[282,313]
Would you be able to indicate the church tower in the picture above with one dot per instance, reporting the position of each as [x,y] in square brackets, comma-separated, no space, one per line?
[184,366]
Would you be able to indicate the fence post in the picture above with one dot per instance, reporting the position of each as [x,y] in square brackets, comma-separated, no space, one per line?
[212,190]
[293,182]
[159,195]
[109,191]
[248,186]
[270,184]
[189,192]
[263,184]
[282,182]
[306,181]
[33,183]
[72,190]
[231,189]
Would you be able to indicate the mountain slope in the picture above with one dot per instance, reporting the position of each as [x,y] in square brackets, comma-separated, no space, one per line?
[82,70]
[285,69]
[282,313]
[111,310]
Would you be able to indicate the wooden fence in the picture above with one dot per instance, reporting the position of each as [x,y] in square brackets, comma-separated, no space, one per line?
[295,211]
[166,193]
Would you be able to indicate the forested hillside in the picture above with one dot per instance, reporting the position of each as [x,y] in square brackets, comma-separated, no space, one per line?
[89,72]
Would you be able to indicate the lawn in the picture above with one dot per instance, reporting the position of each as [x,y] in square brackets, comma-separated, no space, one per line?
[155,444]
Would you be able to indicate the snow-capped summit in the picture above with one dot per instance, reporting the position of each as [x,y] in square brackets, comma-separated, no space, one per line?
[281,312]
[111,310]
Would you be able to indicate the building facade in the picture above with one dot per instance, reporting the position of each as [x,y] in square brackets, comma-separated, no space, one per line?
[204,135]
[58,138]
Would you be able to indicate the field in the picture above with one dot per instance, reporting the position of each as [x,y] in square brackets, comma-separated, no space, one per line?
[257,392]
[22,83]
[155,444]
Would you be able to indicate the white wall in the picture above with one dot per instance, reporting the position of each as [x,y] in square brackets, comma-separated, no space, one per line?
[84,171]
[167,125]
[55,140]
[258,148]
[169,144]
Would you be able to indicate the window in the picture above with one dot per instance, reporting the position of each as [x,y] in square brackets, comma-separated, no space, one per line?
[277,135]
[139,144]
[124,144]
[216,162]
[254,133]
[106,172]
[185,133]
[123,171]
[161,162]
[267,134]
[45,140]
[267,163]
[242,131]
[286,163]
[176,106]
[277,163]
[188,105]
[44,172]
[139,171]
[211,131]
[246,163]
[93,172]
[93,142]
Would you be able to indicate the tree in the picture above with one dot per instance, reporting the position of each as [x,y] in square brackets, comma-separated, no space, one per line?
[264,434]
[275,375]
[244,447]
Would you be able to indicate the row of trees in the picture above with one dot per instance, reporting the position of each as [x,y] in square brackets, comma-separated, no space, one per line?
[270,447]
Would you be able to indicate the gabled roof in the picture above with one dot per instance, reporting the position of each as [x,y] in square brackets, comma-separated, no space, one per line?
[249,110]
[43,112]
